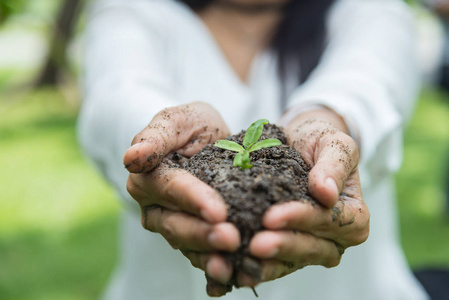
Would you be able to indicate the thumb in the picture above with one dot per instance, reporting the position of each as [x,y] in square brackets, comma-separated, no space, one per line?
[337,158]
[173,129]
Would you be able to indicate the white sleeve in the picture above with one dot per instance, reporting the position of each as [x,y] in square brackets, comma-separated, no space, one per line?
[125,85]
[368,75]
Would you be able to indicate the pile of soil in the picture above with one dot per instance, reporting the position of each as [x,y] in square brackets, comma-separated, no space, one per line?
[279,174]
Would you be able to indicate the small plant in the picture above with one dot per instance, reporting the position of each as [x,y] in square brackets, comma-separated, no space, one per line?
[250,144]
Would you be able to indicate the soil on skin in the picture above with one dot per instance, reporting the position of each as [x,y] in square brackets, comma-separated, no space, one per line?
[279,174]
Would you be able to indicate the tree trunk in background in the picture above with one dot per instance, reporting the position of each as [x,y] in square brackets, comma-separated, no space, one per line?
[56,61]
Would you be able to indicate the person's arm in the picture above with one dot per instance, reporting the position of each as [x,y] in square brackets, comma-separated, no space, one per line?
[368,75]
[127,89]
[362,89]
[125,84]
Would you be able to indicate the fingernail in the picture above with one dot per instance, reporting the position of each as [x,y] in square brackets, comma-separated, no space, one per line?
[274,218]
[273,253]
[213,240]
[221,277]
[214,209]
[135,145]
[330,182]
[246,280]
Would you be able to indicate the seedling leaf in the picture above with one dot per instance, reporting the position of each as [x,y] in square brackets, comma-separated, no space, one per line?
[250,144]
[253,133]
[238,160]
[265,144]
[229,145]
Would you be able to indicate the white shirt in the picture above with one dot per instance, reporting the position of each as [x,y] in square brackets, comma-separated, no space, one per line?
[145,55]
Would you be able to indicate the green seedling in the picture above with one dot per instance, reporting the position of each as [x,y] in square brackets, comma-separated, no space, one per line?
[250,143]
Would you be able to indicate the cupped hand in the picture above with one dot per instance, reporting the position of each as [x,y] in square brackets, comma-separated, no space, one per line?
[303,233]
[188,213]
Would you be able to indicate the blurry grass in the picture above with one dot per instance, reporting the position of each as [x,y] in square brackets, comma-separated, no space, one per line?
[58,219]
[423,181]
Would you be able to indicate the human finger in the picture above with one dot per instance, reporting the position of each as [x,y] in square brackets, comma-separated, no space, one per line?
[186,128]
[321,138]
[215,288]
[336,159]
[178,190]
[218,271]
[214,265]
[347,222]
[186,232]
[285,252]
[271,269]
[297,249]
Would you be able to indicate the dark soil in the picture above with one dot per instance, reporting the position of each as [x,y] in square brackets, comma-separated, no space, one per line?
[279,174]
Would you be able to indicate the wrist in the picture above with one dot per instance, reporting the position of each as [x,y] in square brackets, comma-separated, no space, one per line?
[315,112]
[299,114]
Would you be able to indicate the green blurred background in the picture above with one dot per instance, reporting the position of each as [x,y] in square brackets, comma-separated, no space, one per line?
[59,219]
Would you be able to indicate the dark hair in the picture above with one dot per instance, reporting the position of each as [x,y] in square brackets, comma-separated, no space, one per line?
[300,37]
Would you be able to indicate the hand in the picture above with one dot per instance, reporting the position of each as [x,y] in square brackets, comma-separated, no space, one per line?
[301,234]
[188,213]
[442,9]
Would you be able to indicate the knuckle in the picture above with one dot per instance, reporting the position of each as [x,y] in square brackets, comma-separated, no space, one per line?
[334,256]
[353,150]
[160,221]
[146,224]
[166,139]
[313,253]
[170,116]
[169,187]
[361,226]
[131,187]
[134,188]
[362,236]
[166,114]
[150,218]
[168,231]
[147,221]
[346,147]
[332,262]
[137,138]
[170,191]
